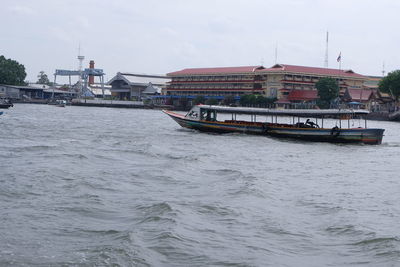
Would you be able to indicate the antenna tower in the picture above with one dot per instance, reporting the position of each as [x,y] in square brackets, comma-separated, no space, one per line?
[326,51]
[383,69]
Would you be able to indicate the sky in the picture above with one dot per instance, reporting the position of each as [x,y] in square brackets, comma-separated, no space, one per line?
[158,37]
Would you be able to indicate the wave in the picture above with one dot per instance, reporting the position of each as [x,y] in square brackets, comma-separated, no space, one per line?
[379,241]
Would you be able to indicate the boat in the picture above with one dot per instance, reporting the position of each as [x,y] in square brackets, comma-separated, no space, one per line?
[5,103]
[61,103]
[394,116]
[204,118]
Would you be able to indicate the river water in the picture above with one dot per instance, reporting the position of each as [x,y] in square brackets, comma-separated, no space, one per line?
[86,186]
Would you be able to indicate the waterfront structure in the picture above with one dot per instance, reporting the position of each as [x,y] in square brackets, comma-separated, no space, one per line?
[9,91]
[128,86]
[99,90]
[288,83]
[85,77]
[22,92]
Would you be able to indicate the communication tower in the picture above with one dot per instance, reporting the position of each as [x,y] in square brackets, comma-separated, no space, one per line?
[326,51]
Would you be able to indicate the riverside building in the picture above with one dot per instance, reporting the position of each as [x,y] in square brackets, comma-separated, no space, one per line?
[287,83]
[128,86]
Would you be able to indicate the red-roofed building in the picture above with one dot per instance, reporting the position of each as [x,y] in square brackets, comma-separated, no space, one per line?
[282,79]
[303,95]
[359,95]
[216,81]
[278,81]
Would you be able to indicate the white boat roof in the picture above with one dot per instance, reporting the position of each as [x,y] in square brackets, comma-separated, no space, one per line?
[285,112]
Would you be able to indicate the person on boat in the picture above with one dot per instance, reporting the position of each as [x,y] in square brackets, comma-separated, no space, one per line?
[311,123]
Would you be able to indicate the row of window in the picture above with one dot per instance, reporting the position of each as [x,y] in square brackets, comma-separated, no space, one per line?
[207,93]
[214,78]
[209,86]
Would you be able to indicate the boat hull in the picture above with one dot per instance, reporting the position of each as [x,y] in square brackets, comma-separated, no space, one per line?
[334,135]
[395,116]
[4,106]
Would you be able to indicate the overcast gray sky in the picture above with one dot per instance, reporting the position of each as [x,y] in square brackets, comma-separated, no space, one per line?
[162,36]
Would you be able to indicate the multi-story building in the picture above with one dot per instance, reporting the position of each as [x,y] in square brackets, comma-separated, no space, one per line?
[216,81]
[288,83]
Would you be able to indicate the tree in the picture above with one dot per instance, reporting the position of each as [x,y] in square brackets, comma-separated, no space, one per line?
[183,102]
[328,90]
[212,101]
[199,100]
[261,101]
[11,72]
[391,84]
[248,100]
[229,100]
[42,78]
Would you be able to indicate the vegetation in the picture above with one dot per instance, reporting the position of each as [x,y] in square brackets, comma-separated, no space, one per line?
[42,78]
[229,100]
[11,72]
[256,101]
[212,101]
[391,84]
[199,100]
[184,102]
[328,90]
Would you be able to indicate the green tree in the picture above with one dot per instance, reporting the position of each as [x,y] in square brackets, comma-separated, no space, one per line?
[183,102]
[42,78]
[271,100]
[11,72]
[391,84]
[248,100]
[261,101]
[212,101]
[244,100]
[328,90]
[229,100]
[199,100]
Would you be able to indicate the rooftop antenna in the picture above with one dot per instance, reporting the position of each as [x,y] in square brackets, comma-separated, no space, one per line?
[383,69]
[262,61]
[276,53]
[326,51]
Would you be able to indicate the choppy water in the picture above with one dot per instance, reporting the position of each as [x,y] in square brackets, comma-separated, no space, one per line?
[124,187]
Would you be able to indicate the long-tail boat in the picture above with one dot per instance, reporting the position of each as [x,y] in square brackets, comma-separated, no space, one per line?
[204,118]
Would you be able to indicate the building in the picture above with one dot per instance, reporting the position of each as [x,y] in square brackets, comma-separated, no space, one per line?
[282,79]
[129,86]
[9,91]
[22,92]
[216,81]
[288,83]
[98,90]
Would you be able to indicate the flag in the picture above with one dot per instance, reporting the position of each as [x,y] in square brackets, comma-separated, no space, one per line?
[339,58]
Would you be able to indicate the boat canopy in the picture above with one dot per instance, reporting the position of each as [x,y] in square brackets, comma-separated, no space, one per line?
[285,112]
